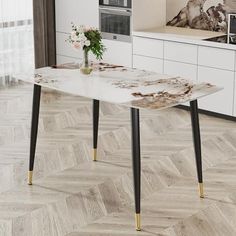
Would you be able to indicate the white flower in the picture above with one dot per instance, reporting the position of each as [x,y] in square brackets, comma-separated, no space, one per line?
[87,43]
[82,37]
[81,29]
[73,36]
[77,45]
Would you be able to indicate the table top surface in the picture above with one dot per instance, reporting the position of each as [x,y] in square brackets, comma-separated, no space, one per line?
[120,85]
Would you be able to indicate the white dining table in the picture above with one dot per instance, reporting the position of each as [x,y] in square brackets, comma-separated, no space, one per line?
[133,88]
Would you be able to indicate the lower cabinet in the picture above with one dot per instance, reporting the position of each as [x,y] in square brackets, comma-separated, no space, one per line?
[222,101]
[148,63]
[65,59]
[184,70]
[119,53]
[65,48]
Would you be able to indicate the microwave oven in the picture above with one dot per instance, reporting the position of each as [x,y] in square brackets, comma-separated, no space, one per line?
[115,24]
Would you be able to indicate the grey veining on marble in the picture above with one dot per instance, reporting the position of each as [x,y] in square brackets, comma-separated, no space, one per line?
[121,85]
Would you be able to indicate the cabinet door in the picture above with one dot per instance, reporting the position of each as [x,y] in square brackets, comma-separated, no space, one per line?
[65,48]
[148,47]
[64,59]
[180,52]
[82,12]
[222,101]
[184,70]
[119,53]
[216,57]
[148,63]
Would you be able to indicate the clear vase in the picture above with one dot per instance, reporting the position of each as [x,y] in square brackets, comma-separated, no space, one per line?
[85,68]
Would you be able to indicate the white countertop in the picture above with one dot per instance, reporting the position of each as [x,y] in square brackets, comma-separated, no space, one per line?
[185,35]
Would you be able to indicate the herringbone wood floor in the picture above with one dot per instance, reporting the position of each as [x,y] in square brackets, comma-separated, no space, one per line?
[73,196]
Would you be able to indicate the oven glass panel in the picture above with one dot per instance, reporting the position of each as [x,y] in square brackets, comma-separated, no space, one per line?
[115,24]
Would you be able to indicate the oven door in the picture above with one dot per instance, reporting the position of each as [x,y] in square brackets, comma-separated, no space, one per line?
[115,24]
[115,3]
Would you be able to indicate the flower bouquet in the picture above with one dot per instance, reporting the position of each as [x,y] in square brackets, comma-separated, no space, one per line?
[87,39]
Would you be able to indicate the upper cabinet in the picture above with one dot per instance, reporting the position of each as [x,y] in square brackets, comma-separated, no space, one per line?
[80,12]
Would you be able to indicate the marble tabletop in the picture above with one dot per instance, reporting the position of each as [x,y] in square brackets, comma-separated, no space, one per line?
[120,85]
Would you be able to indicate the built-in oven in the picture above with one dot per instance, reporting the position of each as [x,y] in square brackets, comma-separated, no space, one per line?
[116,3]
[115,23]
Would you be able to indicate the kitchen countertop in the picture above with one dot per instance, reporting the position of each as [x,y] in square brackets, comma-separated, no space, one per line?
[184,35]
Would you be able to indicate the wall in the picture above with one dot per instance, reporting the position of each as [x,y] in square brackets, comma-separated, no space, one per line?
[148,14]
[213,16]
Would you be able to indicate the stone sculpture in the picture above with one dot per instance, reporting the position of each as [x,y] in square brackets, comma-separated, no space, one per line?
[194,16]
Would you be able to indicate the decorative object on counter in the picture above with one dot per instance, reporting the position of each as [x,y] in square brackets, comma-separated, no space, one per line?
[198,15]
[88,39]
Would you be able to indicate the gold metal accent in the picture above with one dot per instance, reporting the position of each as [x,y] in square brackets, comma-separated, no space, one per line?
[30,177]
[94,154]
[201,192]
[138,222]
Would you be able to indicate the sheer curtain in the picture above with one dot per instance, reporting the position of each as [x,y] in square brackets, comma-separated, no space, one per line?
[16,38]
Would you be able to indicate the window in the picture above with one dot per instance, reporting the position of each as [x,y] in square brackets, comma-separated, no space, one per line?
[16,38]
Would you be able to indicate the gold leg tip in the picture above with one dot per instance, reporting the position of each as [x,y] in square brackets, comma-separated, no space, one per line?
[94,154]
[201,191]
[138,222]
[30,177]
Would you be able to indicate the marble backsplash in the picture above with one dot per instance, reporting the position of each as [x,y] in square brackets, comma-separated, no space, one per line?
[200,14]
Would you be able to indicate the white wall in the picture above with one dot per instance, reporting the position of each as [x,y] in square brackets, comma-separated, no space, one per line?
[149,14]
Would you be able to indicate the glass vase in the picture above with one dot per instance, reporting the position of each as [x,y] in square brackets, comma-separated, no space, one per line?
[85,68]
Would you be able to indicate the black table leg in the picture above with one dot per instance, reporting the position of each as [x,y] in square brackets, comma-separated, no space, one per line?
[197,143]
[95,127]
[34,130]
[135,132]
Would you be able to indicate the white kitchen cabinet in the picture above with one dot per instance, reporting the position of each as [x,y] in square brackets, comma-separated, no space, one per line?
[216,57]
[148,47]
[148,63]
[181,52]
[65,59]
[222,101]
[65,48]
[184,70]
[119,53]
[76,11]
